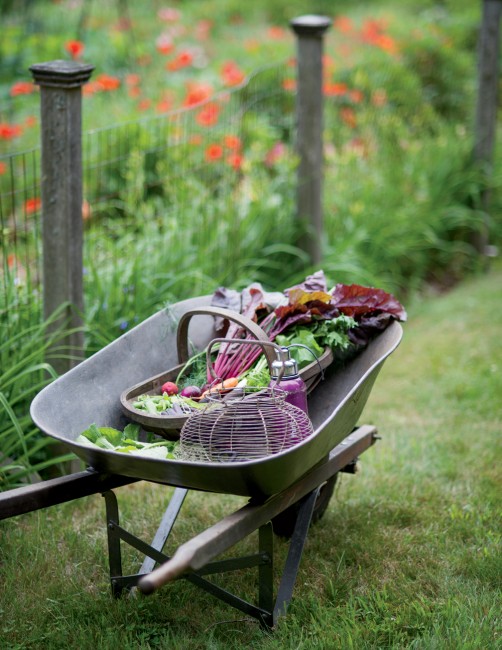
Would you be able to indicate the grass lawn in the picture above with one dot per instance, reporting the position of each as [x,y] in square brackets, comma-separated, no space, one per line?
[407,555]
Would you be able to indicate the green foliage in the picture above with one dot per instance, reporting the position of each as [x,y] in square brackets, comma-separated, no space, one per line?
[25,356]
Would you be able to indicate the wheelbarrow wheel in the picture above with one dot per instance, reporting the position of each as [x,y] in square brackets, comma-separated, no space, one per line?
[283,524]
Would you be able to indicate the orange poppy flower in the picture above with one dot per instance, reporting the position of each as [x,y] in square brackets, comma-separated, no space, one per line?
[208,116]
[289,84]
[197,93]
[213,152]
[348,116]
[164,44]
[343,24]
[232,142]
[10,131]
[32,205]
[183,60]
[106,82]
[74,48]
[3,167]
[276,33]
[231,74]
[22,88]
[334,90]
[234,160]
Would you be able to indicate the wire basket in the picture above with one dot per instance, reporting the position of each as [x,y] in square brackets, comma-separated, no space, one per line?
[247,424]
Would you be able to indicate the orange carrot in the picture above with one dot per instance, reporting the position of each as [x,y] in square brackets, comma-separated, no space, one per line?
[226,384]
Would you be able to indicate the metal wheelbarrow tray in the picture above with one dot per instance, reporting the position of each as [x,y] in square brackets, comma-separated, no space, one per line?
[90,393]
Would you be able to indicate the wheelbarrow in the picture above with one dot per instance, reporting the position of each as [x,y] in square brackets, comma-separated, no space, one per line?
[286,491]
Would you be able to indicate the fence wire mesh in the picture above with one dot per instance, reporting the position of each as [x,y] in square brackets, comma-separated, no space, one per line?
[160,195]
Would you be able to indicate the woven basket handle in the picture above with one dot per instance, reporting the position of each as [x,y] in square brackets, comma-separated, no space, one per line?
[243,321]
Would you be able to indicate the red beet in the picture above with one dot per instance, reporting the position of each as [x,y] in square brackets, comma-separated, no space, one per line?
[193,392]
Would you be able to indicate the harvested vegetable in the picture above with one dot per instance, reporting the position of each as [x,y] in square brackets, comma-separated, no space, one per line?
[170,388]
[226,384]
[308,305]
[165,404]
[127,441]
[193,392]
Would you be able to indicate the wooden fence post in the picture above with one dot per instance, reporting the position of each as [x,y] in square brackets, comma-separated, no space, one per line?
[61,189]
[487,102]
[310,32]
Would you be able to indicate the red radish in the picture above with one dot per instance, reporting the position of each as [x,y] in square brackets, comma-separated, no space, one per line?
[169,387]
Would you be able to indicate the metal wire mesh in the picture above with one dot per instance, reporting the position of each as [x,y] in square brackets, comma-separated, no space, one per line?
[20,241]
[255,424]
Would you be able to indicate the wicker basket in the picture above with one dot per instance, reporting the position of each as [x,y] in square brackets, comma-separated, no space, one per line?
[169,426]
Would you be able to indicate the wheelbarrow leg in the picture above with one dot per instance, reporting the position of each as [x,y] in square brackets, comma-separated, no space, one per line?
[296,545]
[116,533]
[166,525]
[113,534]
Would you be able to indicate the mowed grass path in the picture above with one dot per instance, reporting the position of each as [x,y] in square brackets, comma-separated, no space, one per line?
[407,555]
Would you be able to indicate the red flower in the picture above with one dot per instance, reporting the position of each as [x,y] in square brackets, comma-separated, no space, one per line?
[197,93]
[235,160]
[30,120]
[343,24]
[348,116]
[32,205]
[10,131]
[276,33]
[132,79]
[183,60]
[164,105]
[107,82]
[169,14]
[289,84]
[334,90]
[356,96]
[213,152]
[231,74]
[164,44]
[372,33]
[208,116]
[22,88]
[144,104]
[74,48]
[232,142]
[202,29]
[3,168]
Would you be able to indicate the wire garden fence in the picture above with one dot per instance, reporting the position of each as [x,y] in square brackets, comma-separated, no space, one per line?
[156,193]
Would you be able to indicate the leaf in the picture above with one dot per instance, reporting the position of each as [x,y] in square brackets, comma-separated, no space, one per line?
[356,300]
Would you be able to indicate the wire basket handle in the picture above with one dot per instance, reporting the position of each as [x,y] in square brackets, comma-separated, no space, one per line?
[246,323]
[263,344]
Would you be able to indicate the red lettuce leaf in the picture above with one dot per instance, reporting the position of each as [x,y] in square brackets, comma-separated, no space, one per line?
[355,300]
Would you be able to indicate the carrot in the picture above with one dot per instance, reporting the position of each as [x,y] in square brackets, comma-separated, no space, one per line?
[226,384]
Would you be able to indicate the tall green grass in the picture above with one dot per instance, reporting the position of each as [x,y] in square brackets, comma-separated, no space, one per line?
[26,455]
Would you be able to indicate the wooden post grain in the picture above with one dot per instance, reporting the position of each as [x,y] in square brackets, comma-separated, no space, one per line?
[310,30]
[61,126]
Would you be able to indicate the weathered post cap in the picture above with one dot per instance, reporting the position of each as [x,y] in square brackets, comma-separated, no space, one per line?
[61,73]
[310,25]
